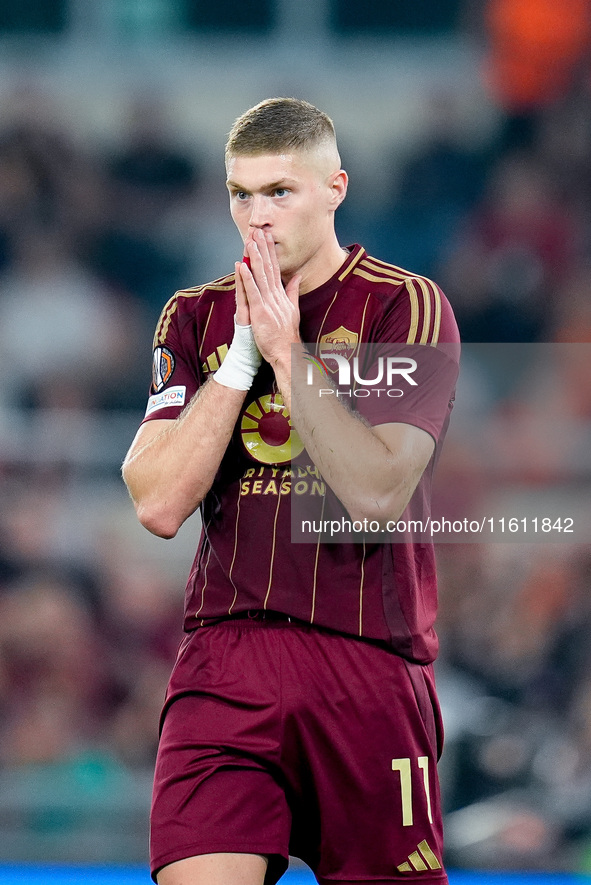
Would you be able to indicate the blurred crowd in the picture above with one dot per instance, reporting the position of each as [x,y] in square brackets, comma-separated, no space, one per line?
[94,238]
[88,628]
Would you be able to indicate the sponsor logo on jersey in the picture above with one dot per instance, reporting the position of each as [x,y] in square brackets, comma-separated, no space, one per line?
[162,368]
[278,480]
[267,433]
[174,396]
[341,342]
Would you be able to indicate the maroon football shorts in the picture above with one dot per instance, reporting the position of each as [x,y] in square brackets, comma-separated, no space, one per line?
[280,738]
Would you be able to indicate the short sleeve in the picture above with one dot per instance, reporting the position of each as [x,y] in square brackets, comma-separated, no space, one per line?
[175,378]
[414,355]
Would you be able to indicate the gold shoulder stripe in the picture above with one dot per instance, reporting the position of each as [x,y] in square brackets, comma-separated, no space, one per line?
[221,282]
[414,312]
[386,266]
[350,266]
[436,315]
[225,284]
[431,302]
[426,310]
[374,279]
[432,310]
[387,270]
[164,321]
[197,293]
[431,297]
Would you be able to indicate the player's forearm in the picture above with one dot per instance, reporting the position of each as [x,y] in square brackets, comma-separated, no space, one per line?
[169,475]
[369,478]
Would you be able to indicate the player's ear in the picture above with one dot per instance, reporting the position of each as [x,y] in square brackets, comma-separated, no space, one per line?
[338,182]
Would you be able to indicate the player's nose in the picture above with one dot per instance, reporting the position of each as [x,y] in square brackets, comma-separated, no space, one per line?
[259,214]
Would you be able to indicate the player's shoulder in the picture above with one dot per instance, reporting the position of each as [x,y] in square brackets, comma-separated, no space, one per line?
[188,300]
[427,313]
[390,277]
[205,291]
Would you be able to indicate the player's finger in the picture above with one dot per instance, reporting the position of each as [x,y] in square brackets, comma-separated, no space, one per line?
[262,242]
[242,311]
[257,268]
[246,243]
[274,263]
[252,292]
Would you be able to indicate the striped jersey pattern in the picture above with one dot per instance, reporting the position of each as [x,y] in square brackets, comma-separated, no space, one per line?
[245,558]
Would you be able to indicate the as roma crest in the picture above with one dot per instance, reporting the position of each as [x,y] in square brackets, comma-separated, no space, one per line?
[341,342]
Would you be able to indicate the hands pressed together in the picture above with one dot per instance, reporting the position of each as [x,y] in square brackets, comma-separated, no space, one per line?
[267,317]
[263,302]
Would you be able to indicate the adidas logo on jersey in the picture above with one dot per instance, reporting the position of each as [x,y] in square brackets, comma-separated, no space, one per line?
[215,359]
[420,860]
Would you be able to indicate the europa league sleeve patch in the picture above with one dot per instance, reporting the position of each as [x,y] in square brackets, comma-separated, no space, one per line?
[162,368]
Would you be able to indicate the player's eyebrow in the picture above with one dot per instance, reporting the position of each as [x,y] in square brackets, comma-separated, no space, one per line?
[273,185]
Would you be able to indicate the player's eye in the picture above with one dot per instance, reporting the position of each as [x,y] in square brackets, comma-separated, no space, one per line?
[281,191]
[241,195]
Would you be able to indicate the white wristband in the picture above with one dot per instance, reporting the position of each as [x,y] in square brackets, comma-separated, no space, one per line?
[242,361]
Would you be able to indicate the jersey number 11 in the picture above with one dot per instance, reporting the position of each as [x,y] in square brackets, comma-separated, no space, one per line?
[403,766]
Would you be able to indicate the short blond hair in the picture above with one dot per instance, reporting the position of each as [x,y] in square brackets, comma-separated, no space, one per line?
[280,125]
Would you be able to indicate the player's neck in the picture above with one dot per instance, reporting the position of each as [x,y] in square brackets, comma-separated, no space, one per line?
[322,266]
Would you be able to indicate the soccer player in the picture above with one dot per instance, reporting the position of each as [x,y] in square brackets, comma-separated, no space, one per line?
[301,714]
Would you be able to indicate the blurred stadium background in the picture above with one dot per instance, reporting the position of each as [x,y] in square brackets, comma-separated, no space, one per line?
[466,128]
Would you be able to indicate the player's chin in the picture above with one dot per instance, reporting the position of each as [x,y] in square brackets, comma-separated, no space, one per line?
[283,260]
[287,270]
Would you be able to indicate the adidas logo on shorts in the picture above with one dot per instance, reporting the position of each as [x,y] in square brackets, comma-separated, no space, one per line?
[420,860]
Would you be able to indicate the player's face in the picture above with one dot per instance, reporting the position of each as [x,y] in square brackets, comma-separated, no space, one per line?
[290,195]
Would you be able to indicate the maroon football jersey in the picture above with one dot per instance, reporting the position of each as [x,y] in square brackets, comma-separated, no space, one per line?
[246,559]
